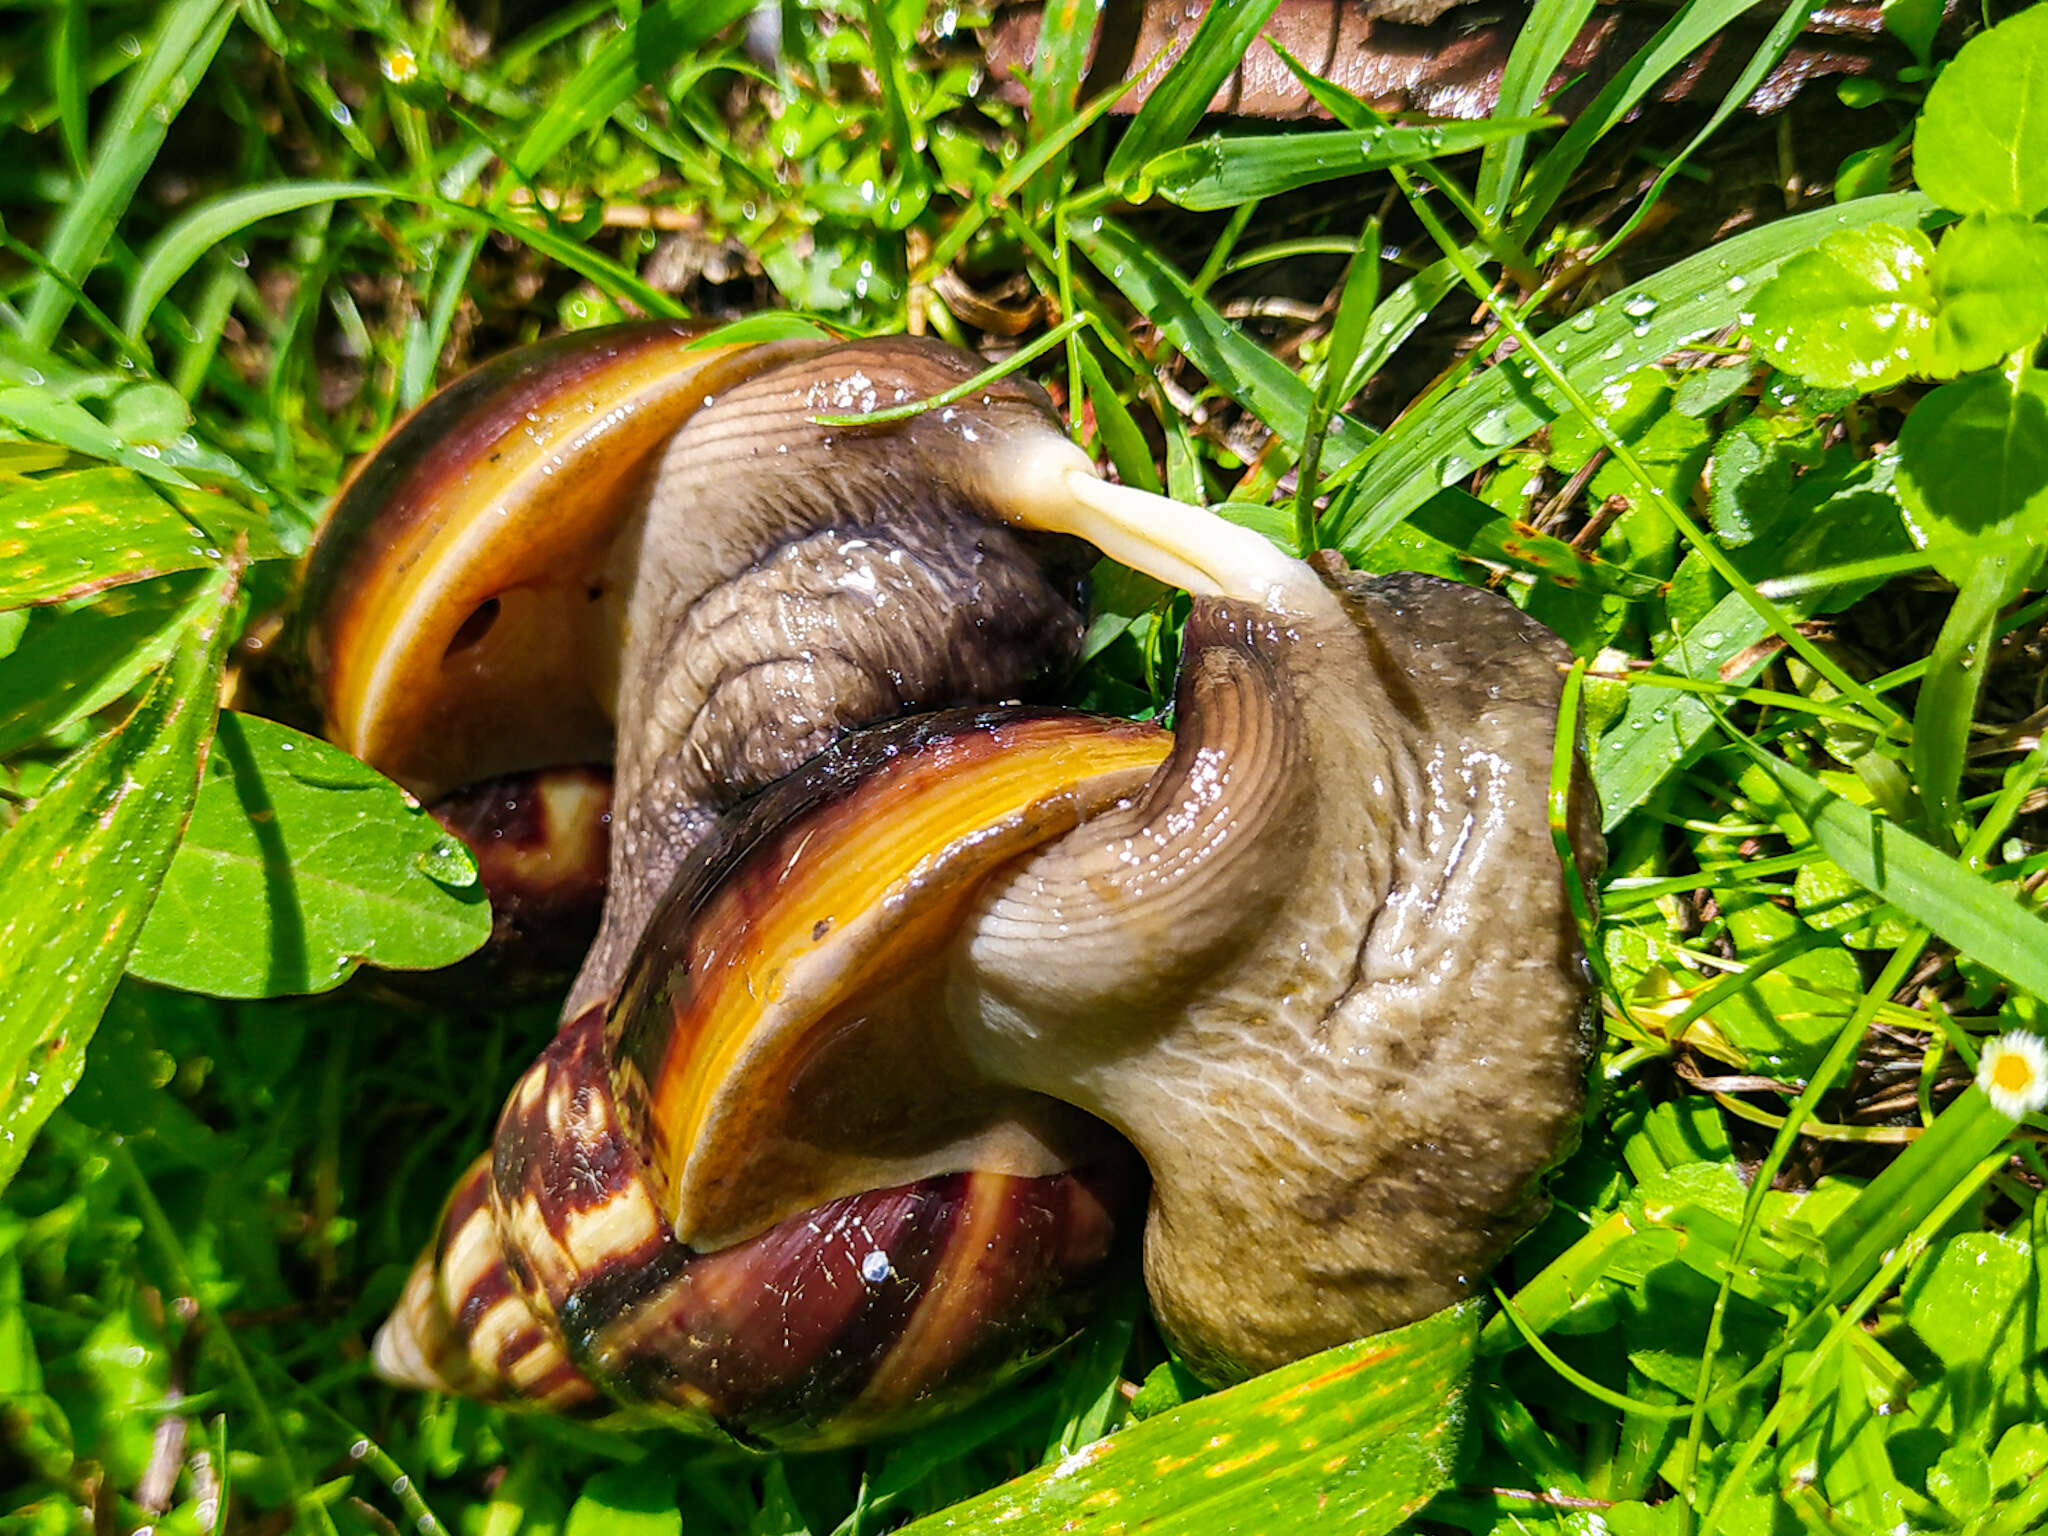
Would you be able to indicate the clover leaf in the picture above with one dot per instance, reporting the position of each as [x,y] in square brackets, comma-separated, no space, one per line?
[1856,311]
[1982,144]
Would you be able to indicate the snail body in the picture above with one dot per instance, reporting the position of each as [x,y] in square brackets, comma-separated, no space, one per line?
[925,983]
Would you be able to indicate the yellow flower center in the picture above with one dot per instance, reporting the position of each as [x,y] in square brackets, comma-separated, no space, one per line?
[2011,1072]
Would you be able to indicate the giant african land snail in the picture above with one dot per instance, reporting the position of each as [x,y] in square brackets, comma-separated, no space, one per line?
[828,1133]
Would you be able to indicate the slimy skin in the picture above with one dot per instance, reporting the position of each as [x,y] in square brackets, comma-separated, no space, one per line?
[1323,973]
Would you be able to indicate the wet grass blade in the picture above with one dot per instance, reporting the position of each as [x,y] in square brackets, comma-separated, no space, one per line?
[84,864]
[1425,451]
[1955,674]
[1954,902]
[1354,1440]
[665,34]
[173,63]
[1233,362]
[1539,48]
[187,241]
[1674,45]
[1178,101]
[1223,172]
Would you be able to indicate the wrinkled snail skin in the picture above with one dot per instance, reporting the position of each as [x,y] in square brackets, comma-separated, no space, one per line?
[793,579]
[557,1279]
[1323,973]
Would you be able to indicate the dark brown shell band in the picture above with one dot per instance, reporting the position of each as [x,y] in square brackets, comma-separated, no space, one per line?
[861,1311]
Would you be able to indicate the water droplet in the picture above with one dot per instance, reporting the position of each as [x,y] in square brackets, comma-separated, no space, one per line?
[1493,430]
[1639,306]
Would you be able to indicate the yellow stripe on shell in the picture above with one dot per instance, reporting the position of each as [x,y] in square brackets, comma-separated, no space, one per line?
[861,861]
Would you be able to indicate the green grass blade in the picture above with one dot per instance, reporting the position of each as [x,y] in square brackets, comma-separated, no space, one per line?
[1341,376]
[1674,45]
[67,80]
[1178,101]
[1066,29]
[1539,48]
[1354,1440]
[1223,172]
[1773,48]
[189,239]
[1955,672]
[1911,1185]
[173,63]
[666,33]
[1233,362]
[85,861]
[1427,450]
[1952,900]
[179,248]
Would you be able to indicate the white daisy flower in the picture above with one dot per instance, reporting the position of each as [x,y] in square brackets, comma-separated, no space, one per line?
[2013,1072]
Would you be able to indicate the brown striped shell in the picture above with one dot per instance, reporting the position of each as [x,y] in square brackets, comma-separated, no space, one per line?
[557,1279]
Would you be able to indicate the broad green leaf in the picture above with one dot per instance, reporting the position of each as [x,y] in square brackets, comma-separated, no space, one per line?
[1427,450]
[70,664]
[1914,23]
[1990,291]
[79,532]
[1855,312]
[1944,895]
[1973,464]
[1975,1303]
[1222,172]
[1355,1439]
[1961,1482]
[300,864]
[1982,142]
[1233,362]
[639,1500]
[1661,730]
[1177,102]
[83,865]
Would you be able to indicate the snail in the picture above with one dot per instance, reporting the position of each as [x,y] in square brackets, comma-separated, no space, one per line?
[842,1121]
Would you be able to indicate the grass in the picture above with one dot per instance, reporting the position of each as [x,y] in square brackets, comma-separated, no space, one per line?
[1792,1278]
